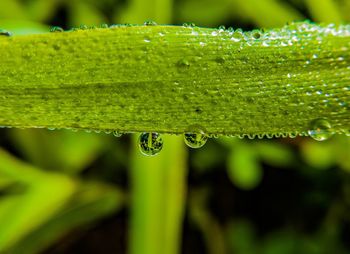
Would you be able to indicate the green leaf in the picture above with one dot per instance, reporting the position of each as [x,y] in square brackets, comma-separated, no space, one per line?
[318,155]
[41,10]
[21,27]
[41,207]
[207,12]
[82,13]
[42,193]
[91,202]
[139,11]
[267,13]
[12,9]
[324,11]
[243,167]
[275,153]
[62,150]
[169,79]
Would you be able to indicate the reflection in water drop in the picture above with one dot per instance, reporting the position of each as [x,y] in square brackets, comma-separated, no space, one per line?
[320,130]
[117,134]
[195,140]
[150,144]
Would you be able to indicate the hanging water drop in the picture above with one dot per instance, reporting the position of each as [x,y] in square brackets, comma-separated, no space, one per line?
[55,29]
[150,144]
[195,140]
[5,33]
[117,134]
[320,130]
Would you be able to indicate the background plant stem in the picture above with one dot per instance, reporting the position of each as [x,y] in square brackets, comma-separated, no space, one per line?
[158,198]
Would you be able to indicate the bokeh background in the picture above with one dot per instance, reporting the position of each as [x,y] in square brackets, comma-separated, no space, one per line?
[64,191]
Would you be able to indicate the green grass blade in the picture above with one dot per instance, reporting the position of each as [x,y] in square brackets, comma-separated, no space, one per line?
[324,11]
[91,202]
[39,193]
[173,79]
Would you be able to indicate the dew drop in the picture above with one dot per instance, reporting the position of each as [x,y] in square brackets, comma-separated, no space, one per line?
[83,27]
[256,34]
[149,23]
[195,140]
[320,129]
[183,62]
[237,35]
[189,24]
[5,33]
[230,29]
[104,25]
[117,134]
[222,28]
[56,29]
[150,144]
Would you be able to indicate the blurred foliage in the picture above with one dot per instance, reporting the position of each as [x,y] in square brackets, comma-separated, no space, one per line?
[245,196]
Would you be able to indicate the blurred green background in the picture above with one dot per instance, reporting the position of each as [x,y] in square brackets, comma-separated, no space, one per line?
[77,192]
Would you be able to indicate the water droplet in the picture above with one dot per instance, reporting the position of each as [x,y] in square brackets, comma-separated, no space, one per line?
[195,140]
[189,24]
[230,29]
[83,27]
[151,143]
[147,39]
[256,34]
[149,23]
[320,130]
[222,28]
[184,62]
[117,134]
[104,25]
[237,35]
[55,29]
[5,33]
